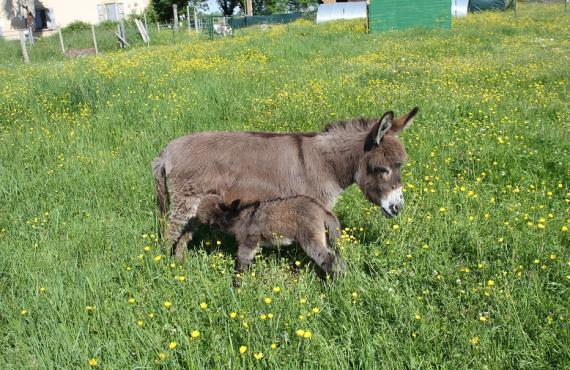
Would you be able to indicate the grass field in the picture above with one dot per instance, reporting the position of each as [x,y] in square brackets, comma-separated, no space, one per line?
[475,273]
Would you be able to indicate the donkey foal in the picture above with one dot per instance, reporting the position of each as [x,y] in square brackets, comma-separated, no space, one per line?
[276,222]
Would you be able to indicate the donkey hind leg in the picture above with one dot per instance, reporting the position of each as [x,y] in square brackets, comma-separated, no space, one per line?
[245,255]
[315,247]
[179,229]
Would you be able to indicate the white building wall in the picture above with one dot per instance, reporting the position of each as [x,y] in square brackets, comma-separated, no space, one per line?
[64,12]
[12,15]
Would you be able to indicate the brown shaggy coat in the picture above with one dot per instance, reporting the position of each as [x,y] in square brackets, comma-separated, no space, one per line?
[254,166]
[277,222]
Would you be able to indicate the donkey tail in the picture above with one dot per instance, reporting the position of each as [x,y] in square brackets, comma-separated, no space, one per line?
[159,173]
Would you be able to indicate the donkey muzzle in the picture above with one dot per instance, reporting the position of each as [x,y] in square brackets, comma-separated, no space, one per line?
[392,203]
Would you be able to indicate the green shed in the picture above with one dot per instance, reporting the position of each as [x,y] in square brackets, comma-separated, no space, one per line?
[398,14]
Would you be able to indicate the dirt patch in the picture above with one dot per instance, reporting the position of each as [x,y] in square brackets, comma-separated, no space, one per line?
[79,52]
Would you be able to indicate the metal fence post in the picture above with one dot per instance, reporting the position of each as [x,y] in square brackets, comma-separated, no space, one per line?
[196,21]
[145,24]
[94,39]
[61,40]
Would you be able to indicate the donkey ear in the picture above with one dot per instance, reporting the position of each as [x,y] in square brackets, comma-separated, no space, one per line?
[401,123]
[382,127]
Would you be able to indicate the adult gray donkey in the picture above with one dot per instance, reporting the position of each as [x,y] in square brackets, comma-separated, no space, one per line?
[257,166]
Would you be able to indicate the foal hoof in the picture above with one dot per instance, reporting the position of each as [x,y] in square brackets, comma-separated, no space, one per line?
[236,281]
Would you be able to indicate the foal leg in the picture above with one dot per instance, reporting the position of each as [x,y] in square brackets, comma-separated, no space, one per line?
[333,234]
[314,244]
[245,255]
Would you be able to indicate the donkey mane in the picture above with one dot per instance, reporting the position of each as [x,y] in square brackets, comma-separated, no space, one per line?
[359,124]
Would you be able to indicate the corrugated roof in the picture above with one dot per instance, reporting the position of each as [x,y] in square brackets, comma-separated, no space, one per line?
[459,8]
[331,12]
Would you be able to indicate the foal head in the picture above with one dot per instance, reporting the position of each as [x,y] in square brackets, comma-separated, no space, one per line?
[214,212]
[378,172]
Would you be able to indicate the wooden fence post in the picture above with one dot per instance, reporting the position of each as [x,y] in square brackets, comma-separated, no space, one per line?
[188,15]
[24,50]
[196,21]
[94,39]
[61,40]
[175,10]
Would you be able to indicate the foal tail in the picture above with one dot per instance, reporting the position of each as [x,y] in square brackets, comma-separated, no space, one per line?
[159,173]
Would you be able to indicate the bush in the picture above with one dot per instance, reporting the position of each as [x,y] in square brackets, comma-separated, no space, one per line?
[107,25]
[77,26]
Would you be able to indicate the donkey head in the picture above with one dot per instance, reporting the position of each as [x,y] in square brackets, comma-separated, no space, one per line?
[378,173]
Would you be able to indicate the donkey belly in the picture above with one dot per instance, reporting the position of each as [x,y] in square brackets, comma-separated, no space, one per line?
[277,242]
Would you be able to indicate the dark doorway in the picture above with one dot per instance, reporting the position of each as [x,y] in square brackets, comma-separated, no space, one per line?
[41,19]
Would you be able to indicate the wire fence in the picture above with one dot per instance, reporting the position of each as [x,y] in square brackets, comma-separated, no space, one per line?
[83,39]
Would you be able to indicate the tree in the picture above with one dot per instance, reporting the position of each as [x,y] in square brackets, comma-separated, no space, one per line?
[163,8]
[265,7]
[302,5]
[228,6]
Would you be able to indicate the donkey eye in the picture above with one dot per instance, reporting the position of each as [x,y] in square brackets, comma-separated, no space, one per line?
[383,170]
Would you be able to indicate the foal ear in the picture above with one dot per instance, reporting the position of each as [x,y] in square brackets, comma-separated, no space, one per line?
[223,206]
[235,204]
[401,123]
[382,127]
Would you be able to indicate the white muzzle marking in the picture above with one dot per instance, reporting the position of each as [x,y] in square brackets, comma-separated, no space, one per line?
[392,203]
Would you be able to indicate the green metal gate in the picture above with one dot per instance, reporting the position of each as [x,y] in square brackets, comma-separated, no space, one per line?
[399,14]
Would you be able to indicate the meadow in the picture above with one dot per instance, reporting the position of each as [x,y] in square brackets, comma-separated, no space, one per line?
[473,274]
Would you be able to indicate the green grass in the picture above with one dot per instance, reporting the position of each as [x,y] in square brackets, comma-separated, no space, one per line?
[473,274]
